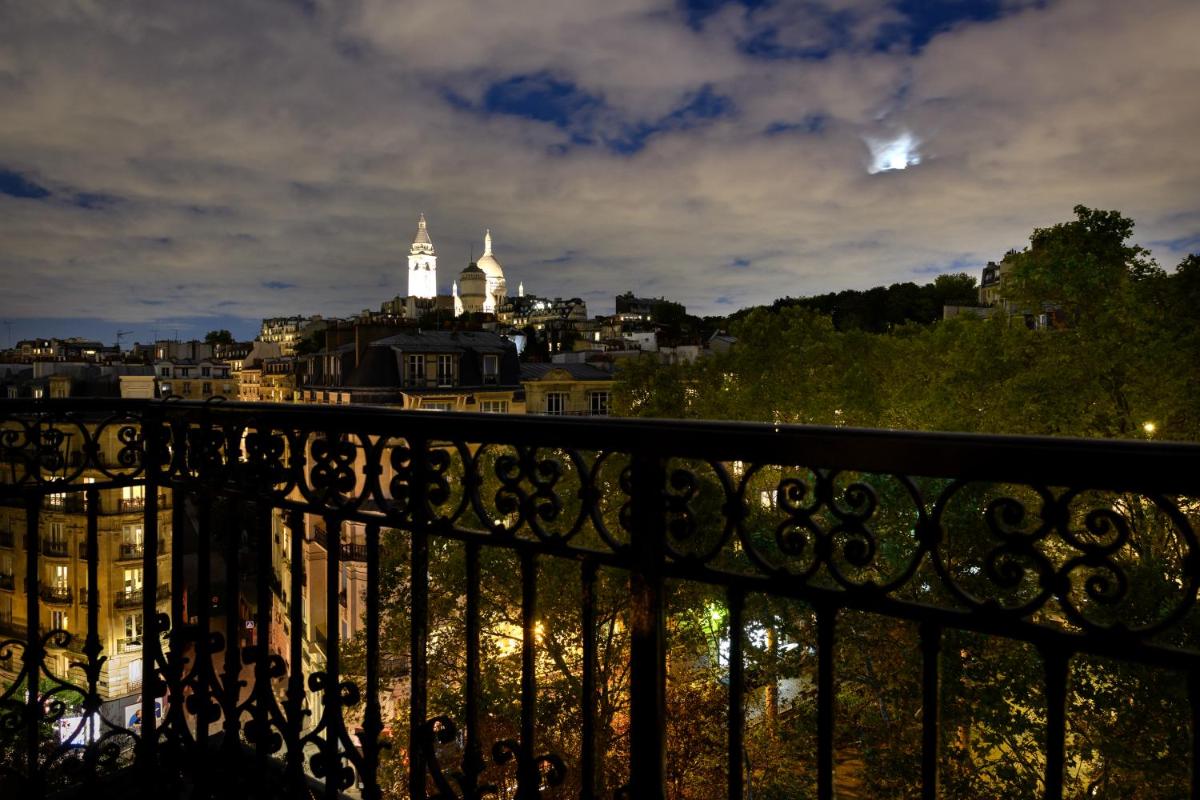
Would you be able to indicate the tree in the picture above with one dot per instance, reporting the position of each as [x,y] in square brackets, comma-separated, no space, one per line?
[218,337]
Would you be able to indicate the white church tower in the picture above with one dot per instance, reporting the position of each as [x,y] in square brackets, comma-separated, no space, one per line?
[422,263]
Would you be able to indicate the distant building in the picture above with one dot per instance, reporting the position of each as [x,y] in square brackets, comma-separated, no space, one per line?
[194,380]
[629,308]
[567,389]
[415,369]
[288,332]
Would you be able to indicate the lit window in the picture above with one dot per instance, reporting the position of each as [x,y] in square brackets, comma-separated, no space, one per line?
[493,406]
[556,403]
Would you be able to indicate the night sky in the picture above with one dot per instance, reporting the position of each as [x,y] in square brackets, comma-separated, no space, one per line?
[179,166]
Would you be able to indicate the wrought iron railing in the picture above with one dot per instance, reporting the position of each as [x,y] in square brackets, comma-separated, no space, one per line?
[57,594]
[130,550]
[58,548]
[1035,541]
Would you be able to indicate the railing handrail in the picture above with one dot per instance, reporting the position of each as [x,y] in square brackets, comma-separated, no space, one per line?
[1170,467]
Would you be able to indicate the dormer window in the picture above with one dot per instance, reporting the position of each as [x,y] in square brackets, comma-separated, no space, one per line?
[416,370]
[445,370]
[491,369]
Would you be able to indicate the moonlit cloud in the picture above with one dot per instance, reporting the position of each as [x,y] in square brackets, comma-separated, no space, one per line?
[899,152]
[166,161]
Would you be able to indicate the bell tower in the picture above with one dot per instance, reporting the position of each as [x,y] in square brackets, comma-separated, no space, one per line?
[422,263]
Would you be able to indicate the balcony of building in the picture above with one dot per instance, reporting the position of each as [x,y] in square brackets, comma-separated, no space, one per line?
[1081,552]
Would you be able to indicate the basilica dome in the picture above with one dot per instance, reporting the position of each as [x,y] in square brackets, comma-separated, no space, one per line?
[488,262]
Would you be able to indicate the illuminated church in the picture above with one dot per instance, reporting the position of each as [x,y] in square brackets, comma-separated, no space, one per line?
[480,287]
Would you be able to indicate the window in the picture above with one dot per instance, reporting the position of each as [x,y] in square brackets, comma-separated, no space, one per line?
[166,372]
[185,372]
[205,372]
[133,498]
[135,673]
[132,541]
[133,581]
[57,500]
[185,389]
[58,621]
[599,404]
[60,576]
[437,405]
[493,406]
[133,626]
[206,388]
[166,389]
[416,370]
[58,534]
[556,403]
[38,391]
[445,370]
[491,369]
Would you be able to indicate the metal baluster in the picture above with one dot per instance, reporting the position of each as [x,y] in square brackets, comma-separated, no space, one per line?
[1194,701]
[34,655]
[295,690]
[931,645]
[176,717]
[332,696]
[262,630]
[232,677]
[148,745]
[826,623]
[736,717]
[204,652]
[419,632]
[647,673]
[587,759]
[372,717]
[473,755]
[528,778]
[92,646]
[1056,663]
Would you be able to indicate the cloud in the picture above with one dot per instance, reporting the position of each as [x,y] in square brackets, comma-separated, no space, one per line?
[215,146]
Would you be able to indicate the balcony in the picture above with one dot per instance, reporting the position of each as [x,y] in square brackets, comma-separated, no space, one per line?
[947,569]
[56,548]
[349,551]
[57,594]
[65,503]
[126,505]
[129,551]
[132,598]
